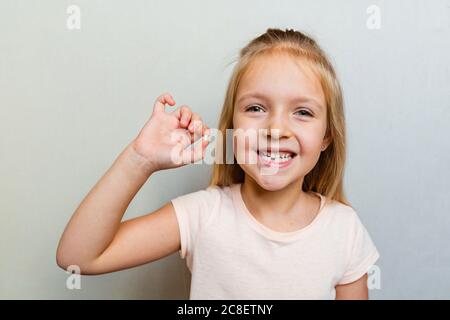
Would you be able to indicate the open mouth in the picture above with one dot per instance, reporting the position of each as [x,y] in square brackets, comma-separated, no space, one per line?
[276,158]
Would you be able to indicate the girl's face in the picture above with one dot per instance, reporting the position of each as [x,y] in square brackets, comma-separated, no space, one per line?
[287,100]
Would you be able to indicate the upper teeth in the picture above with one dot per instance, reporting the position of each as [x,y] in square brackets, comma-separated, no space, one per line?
[276,155]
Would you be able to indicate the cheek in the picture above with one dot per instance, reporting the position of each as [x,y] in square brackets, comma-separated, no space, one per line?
[245,133]
[243,122]
[244,146]
[310,142]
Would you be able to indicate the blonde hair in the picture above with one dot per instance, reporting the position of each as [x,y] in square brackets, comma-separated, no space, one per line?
[327,175]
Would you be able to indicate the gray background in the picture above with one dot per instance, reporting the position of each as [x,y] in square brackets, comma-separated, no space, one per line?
[70,101]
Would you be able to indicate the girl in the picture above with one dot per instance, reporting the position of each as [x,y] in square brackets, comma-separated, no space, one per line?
[290,234]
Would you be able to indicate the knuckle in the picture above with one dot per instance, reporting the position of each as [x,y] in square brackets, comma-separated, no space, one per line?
[161,96]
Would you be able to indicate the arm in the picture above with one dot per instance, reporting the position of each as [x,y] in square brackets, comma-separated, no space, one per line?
[356,290]
[95,239]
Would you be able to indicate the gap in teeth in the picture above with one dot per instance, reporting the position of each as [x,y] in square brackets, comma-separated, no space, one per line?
[276,156]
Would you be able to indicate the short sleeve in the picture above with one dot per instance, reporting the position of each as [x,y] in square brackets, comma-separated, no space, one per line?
[362,253]
[193,211]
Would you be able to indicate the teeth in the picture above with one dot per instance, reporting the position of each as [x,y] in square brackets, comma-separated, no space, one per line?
[276,156]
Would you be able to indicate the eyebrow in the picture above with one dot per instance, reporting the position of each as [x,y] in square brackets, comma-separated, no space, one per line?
[294,100]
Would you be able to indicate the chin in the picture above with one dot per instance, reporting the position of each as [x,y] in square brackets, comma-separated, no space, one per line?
[272,185]
[269,182]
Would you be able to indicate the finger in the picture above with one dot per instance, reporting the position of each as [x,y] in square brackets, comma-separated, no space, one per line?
[177,113]
[195,151]
[181,140]
[161,101]
[195,120]
[199,129]
[186,115]
[180,136]
[206,130]
[196,127]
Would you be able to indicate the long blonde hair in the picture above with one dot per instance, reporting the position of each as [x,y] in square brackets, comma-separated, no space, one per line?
[326,177]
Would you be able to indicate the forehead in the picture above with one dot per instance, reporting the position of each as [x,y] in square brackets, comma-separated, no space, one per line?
[282,78]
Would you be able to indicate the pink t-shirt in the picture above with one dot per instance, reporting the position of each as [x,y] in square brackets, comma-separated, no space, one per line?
[231,255]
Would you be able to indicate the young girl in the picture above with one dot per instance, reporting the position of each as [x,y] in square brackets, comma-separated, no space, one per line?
[289,234]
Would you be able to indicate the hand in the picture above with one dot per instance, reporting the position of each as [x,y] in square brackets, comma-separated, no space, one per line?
[163,140]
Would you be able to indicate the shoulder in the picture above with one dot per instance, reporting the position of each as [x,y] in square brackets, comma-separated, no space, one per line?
[343,219]
[201,200]
[348,226]
[341,214]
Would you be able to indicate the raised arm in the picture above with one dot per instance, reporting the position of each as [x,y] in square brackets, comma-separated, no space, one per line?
[95,239]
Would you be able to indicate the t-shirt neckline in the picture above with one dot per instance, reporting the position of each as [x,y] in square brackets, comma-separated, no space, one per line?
[270,233]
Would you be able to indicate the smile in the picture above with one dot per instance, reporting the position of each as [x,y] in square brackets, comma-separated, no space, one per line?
[276,159]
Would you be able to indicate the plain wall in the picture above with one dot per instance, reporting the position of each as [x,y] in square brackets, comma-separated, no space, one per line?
[71,100]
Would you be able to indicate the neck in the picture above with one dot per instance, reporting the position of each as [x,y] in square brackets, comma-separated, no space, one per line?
[280,202]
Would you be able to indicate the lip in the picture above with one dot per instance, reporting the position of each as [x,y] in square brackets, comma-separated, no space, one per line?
[275,164]
[268,149]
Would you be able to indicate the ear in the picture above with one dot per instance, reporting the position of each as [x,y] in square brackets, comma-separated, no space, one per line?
[326,142]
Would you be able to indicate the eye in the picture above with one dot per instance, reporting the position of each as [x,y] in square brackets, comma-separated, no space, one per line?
[255,107]
[304,113]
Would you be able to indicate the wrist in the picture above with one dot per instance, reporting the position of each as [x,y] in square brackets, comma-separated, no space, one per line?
[138,161]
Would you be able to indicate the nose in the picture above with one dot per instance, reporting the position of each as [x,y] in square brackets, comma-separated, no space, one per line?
[278,127]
